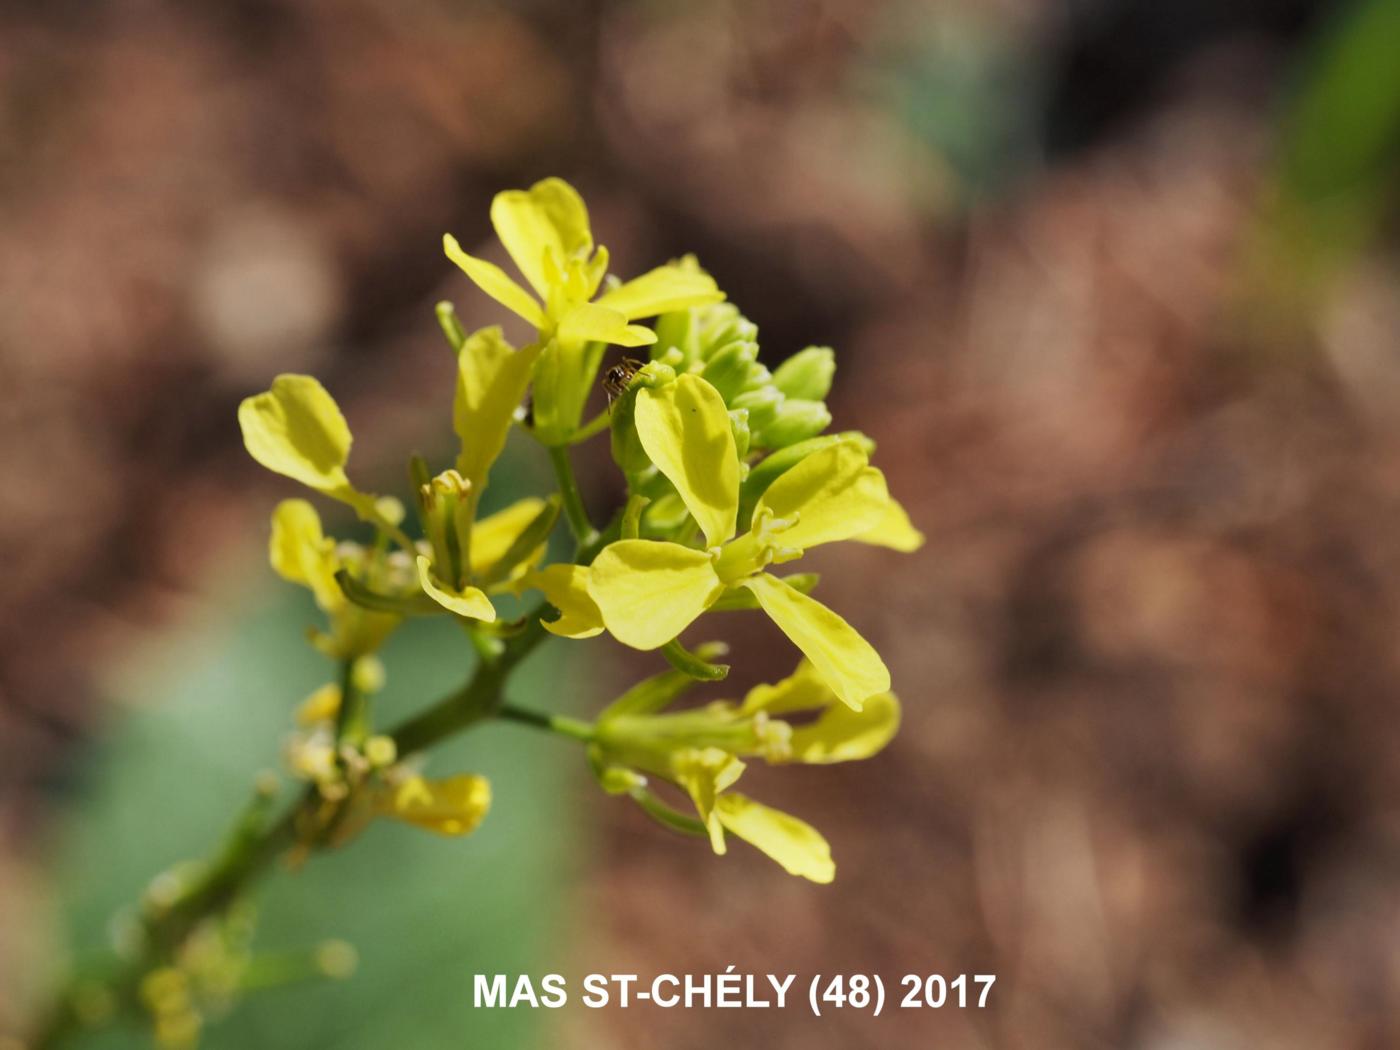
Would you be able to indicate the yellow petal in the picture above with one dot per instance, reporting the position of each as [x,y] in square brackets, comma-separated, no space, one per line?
[833,494]
[842,734]
[491,380]
[493,535]
[893,530]
[589,322]
[660,291]
[794,844]
[320,706]
[549,217]
[684,428]
[566,588]
[492,280]
[849,663]
[301,553]
[296,430]
[648,591]
[452,806]
[803,690]
[838,733]
[470,602]
[704,773]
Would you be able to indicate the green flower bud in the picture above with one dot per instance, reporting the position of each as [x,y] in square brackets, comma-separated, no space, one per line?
[627,451]
[797,420]
[673,335]
[739,422]
[807,375]
[734,370]
[762,404]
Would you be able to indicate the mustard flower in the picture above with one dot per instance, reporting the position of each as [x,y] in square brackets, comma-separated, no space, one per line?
[301,552]
[546,232]
[701,751]
[646,592]
[296,429]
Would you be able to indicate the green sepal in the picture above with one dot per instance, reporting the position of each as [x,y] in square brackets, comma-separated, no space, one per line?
[367,598]
[627,451]
[739,424]
[666,816]
[692,663]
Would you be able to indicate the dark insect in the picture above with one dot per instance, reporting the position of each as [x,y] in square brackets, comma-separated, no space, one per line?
[619,377]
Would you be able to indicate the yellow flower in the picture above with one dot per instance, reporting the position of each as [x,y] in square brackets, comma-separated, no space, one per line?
[546,232]
[469,558]
[452,806]
[300,552]
[500,549]
[566,587]
[297,430]
[702,750]
[646,592]
[491,380]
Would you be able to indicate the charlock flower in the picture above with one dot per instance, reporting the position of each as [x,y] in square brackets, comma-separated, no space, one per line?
[646,592]
[469,559]
[465,562]
[301,552]
[453,805]
[296,429]
[546,232]
[702,751]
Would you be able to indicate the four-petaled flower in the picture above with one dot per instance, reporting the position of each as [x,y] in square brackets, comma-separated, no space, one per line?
[646,592]
[701,751]
[546,232]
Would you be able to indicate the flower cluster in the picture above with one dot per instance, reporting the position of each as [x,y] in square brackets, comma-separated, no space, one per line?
[730,475]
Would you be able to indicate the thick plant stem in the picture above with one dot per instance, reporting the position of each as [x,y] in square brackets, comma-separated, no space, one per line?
[584,532]
[477,700]
[352,717]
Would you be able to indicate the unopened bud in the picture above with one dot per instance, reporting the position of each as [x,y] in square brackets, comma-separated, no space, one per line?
[796,420]
[806,375]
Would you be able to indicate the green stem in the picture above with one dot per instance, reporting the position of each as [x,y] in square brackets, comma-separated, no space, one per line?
[666,816]
[352,718]
[574,510]
[632,516]
[595,425]
[561,724]
[250,851]
[479,699]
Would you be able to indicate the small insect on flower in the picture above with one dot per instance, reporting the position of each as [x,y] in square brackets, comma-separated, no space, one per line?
[619,377]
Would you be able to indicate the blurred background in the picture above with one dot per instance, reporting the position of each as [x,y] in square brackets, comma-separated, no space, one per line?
[1114,286]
